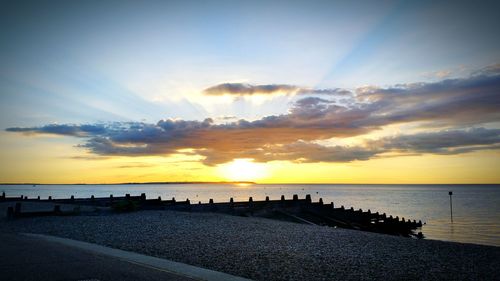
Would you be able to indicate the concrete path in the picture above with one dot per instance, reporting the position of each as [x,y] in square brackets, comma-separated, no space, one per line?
[41,257]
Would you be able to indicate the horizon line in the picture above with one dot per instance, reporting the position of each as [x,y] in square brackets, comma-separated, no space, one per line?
[241,182]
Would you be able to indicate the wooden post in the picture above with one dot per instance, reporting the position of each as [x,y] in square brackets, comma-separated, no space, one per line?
[267,198]
[17,208]
[282,197]
[173,199]
[308,198]
[295,197]
[10,212]
[50,198]
[143,196]
[451,206]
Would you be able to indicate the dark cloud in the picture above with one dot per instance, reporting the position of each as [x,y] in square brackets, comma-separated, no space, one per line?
[64,129]
[247,89]
[440,142]
[243,89]
[300,151]
[452,103]
[466,101]
[443,142]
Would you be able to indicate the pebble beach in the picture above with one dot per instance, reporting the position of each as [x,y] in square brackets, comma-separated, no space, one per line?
[264,249]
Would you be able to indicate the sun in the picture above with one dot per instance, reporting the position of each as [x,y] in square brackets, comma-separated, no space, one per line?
[243,170]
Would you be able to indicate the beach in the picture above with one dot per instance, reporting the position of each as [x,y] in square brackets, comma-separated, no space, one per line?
[264,249]
[476,208]
[263,140]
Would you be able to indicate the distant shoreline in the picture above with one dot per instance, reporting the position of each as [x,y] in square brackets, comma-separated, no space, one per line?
[131,183]
[245,182]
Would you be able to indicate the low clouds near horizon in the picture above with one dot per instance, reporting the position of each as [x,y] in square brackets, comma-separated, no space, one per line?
[459,113]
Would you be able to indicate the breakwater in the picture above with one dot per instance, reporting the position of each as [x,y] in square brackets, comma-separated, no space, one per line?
[292,209]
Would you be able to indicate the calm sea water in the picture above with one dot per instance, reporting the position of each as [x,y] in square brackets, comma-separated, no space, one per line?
[476,208]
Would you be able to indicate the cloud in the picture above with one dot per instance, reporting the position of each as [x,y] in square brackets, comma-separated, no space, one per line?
[225,118]
[441,74]
[88,157]
[493,69]
[445,142]
[300,152]
[461,106]
[442,142]
[465,101]
[64,129]
[135,165]
[242,89]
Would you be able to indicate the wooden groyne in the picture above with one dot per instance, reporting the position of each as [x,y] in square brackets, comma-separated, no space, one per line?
[291,209]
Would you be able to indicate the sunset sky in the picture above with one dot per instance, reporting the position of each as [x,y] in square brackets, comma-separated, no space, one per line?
[265,91]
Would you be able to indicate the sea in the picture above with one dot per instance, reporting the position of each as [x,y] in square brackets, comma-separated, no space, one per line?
[475,208]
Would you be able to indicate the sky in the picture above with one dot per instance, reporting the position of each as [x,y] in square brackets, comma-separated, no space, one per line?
[264,91]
